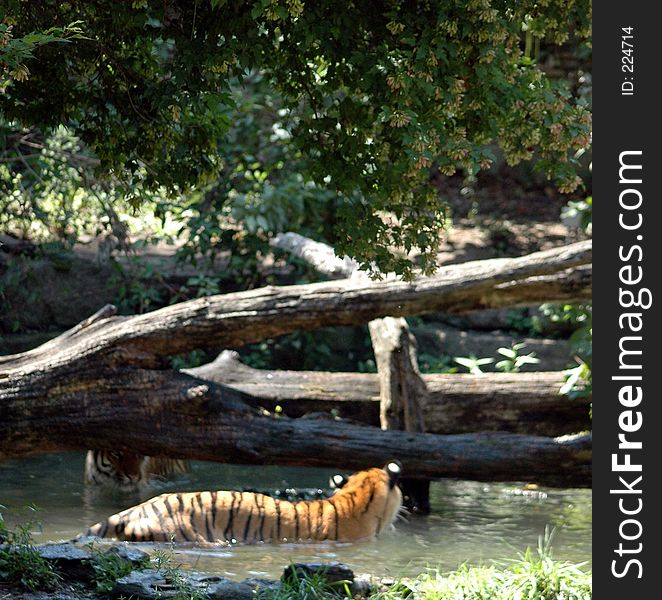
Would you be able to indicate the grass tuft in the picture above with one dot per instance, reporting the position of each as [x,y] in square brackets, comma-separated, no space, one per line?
[532,576]
[306,586]
[20,562]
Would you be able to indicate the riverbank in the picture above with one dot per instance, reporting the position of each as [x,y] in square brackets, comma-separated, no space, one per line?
[84,570]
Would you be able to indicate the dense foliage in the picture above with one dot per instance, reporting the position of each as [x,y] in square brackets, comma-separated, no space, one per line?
[15,52]
[373,96]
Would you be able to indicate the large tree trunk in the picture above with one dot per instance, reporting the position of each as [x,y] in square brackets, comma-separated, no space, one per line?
[105,384]
[161,412]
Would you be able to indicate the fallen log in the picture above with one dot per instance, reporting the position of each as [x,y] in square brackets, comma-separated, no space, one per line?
[12,245]
[236,319]
[167,413]
[106,383]
[568,286]
[318,255]
[527,403]
[403,393]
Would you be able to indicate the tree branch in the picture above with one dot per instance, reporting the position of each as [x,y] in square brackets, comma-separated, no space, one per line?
[526,403]
[236,319]
[167,413]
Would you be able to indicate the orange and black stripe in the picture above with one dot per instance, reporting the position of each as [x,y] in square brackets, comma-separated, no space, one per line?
[360,509]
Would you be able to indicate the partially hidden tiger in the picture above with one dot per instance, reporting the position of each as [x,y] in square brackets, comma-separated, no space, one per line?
[128,471]
[366,504]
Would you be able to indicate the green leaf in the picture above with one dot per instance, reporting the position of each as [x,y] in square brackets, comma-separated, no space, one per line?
[508,352]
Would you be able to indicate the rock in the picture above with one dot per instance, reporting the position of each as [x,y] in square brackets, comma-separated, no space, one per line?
[7,593]
[230,590]
[75,562]
[72,561]
[152,585]
[141,585]
[133,555]
[257,583]
[332,572]
[363,586]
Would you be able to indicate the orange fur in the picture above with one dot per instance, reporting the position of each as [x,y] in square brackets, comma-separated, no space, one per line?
[128,470]
[366,504]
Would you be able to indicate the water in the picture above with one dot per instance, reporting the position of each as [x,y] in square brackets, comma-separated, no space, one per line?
[471,522]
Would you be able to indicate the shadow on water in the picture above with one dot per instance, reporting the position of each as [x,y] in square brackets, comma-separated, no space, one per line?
[470,521]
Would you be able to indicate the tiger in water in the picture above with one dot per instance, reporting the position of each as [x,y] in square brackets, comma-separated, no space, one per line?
[128,471]
[365,505]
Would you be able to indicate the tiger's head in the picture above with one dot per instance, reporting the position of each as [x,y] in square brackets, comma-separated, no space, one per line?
[373,498]
[123,470]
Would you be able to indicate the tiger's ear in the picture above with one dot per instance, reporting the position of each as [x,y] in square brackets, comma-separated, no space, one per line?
[337,481]
[393,468]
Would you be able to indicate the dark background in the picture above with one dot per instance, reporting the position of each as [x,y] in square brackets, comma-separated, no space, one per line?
[624,123]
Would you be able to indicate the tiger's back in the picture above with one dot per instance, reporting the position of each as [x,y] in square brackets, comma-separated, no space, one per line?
[367,504]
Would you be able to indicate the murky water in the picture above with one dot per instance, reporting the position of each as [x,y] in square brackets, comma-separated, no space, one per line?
[470,521]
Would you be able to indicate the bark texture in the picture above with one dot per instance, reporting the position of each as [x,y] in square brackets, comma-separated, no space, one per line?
[402,394]
[163,413]
[527,403]
[402,391]
[235,319]
[106,383]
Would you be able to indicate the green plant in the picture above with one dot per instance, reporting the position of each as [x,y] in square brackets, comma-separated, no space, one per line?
[188,361]
[501,238]
[261,190]
[16,51]
[431,363]
[373,98]
[578,382]
[179,587]
[580,212]
[513,360]
[20,562]
[473,363]
[49,191]
[366,366]
[568,316]
[538,575]
[312,351]
[306,586]
[204,285]
[578,317]
[532,576]
[520,321]
[135,282]
[109,566]
[257,356]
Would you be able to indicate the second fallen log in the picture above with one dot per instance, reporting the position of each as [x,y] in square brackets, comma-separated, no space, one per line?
[527,403]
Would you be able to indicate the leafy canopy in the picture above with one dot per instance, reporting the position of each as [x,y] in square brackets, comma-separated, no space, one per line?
[375,94]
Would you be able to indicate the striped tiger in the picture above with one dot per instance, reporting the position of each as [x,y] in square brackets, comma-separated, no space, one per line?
[363,507]
[126,470]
